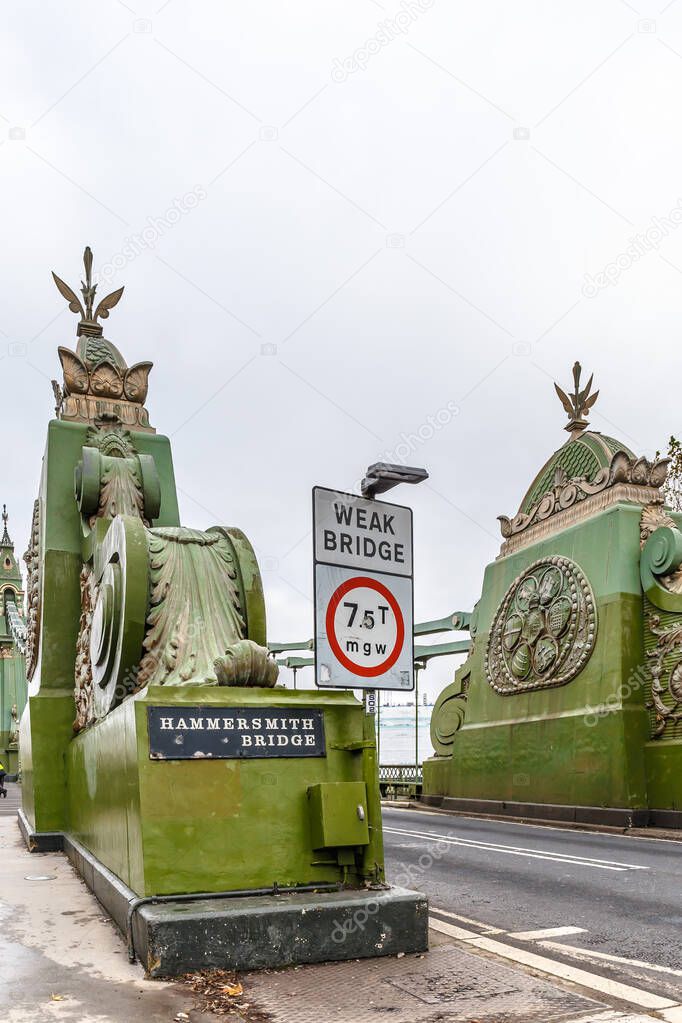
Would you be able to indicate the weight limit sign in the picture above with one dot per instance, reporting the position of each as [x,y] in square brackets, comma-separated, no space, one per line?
[363,616]
[365,626]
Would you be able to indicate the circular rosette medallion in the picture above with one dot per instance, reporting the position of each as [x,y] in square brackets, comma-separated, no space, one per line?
[544,630]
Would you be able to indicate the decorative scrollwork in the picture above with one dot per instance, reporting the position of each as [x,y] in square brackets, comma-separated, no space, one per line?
[660,562]
[32,559]
[245,663]
[669,642]
[448,715]
[85,712]
[567,492]
[116,626]
[544,630]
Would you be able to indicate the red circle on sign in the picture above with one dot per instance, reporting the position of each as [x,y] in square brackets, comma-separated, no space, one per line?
[338,594]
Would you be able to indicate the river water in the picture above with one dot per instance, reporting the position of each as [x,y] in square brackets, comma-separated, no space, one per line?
[396,740]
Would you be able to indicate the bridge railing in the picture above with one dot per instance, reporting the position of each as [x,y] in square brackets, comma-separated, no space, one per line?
[397,780]
[458,621]
[17,625]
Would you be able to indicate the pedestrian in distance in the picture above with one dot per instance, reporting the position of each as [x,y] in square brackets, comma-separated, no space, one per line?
[3,772]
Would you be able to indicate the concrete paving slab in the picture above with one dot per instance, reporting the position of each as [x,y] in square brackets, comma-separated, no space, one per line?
[446,984]
[61,959]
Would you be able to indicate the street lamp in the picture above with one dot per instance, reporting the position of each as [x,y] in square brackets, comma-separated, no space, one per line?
[379,478]
[382,476]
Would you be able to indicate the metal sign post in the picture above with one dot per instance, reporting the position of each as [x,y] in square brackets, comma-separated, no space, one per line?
[417,669]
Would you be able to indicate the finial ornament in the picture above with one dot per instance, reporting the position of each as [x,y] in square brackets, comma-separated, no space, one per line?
[579,403]
[88,324]
[5,542]
[98,385]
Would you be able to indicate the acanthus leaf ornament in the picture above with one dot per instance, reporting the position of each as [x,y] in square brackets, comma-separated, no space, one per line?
[136,381]
[76,377]
[106,380]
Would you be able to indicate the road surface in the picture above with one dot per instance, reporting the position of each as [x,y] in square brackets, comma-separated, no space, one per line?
[608,904]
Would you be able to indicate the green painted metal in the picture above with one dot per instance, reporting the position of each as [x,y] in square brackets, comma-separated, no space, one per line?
[427,653]
[458,621]
[661,555]
[373,855]
[282,648]
[46,727]
[13,689]
[167,826]
[582,743]
[176,826]
[338,814]
[250,584]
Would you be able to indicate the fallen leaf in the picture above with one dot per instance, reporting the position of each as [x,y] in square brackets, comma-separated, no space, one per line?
[233,989]
[57,998]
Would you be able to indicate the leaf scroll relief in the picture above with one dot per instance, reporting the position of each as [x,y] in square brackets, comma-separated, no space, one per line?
[666,675]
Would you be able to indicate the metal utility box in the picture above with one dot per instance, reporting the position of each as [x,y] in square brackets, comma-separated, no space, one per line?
[338,814]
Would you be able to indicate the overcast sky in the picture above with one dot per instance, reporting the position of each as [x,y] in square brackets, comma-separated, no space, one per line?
[349,221]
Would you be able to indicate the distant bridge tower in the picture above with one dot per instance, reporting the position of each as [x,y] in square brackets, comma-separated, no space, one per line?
[12,650]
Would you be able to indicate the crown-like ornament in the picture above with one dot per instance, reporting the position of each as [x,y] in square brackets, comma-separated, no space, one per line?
[99,386]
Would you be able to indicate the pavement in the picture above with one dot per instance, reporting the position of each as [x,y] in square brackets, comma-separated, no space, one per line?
[10,803]
[61,959]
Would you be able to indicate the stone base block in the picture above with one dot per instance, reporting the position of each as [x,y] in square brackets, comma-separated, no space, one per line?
[255,932]
[39,841]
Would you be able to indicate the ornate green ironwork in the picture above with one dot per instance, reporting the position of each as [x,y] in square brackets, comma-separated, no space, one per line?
[544,630]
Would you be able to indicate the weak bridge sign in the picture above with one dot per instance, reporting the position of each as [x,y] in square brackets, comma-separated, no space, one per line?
[363,592]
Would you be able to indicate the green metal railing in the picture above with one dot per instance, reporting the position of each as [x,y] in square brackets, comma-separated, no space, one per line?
[400,781]
[458,621]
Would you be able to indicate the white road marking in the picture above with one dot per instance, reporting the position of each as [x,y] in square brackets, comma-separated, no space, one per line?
[476,818]
[549,932]
[612,1015]
[589,953]
[451,930]
[592,981]
[467,920]
[515,850]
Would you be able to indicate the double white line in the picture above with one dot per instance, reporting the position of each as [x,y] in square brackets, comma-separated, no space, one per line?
[516,850]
